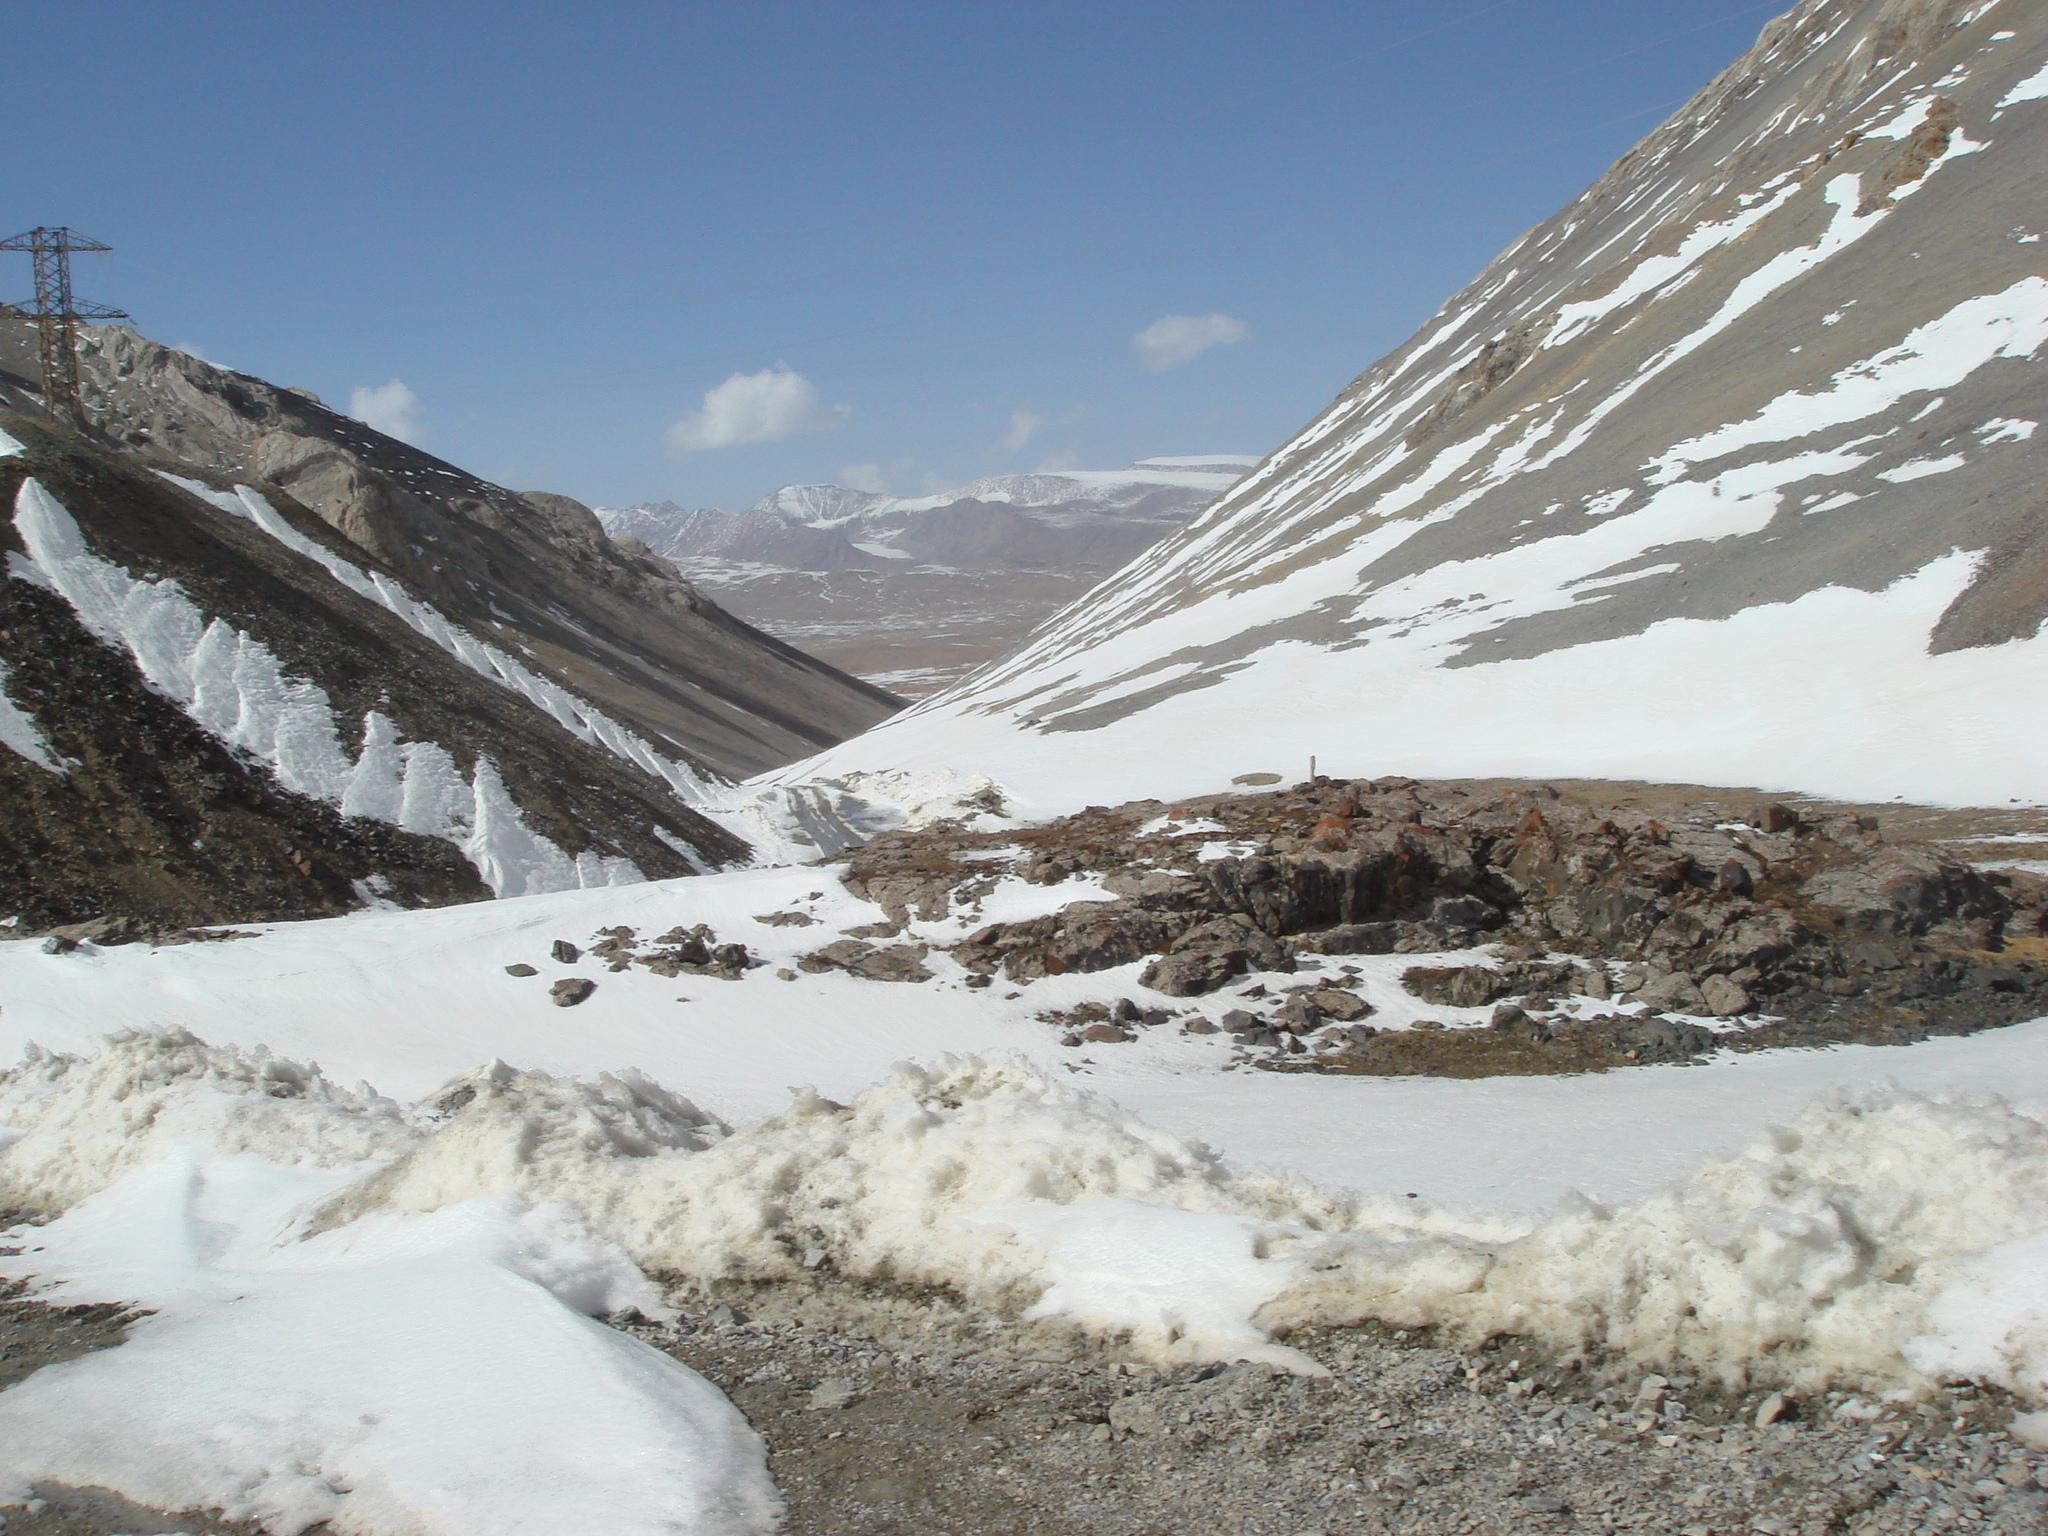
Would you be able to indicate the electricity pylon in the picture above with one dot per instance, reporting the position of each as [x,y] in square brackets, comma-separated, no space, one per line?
[58,311]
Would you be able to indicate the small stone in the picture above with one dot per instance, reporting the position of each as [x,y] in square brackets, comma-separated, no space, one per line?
[835,1392]
[1773,1408]
[1101,1434]
[564,953]
[1544,1504]
[57,944]
[725,1316]
[1651,1393]
[1734,878]
[1105,1034]
[571,990]
[521,969]
[1778,818]
[784,973]
[1198,1026]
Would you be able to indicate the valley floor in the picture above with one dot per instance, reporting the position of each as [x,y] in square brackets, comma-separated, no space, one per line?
[1004,1292]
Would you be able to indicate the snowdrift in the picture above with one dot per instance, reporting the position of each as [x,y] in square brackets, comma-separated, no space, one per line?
[1876,1241]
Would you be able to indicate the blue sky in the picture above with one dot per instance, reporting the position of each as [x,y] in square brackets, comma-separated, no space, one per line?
[924,238]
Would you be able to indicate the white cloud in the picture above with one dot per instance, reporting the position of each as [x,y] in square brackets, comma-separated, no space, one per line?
[1024,426]
[390,408]
[1175,339]
[1057,463]
[759,407]
[864,477]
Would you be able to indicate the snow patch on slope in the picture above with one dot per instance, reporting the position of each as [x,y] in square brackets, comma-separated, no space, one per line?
[236,689]
[577,716]
[20,734]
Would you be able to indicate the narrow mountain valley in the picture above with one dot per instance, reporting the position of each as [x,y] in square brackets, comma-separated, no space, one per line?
[1485,971]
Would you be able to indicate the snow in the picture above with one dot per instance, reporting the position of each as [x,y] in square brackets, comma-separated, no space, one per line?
[1920,469]
[236,689]
[445,1242]
[8,446]
[1873,1227]
[580,718]
[2012,323]
[396,1375]
[2033,88]
[20,734]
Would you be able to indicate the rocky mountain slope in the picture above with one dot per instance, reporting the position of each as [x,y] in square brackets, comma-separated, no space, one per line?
[217,708]
[533,572]
[914,592]
[1730,471]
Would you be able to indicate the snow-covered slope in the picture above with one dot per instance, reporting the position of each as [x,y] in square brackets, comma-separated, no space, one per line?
[1732,471]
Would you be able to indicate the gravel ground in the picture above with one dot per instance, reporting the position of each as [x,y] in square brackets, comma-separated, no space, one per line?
[912,1418]
[904,1414]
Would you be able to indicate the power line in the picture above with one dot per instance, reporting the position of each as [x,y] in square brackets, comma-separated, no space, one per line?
[58,311]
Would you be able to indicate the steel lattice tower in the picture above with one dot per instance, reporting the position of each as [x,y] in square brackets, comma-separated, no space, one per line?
[58,311]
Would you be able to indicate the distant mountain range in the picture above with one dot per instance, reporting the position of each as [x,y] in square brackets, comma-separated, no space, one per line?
[913,591]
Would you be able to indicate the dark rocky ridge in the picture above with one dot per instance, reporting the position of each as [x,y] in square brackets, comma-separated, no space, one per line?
[1813,923]
[530,570]
[156,821]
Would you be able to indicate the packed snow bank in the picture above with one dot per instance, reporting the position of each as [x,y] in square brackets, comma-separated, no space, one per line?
[922,1179]
[404,1374]
[1876,1241]
[1830,1251]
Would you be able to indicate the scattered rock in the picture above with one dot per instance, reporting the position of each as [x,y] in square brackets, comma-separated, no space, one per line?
[521,968]
[571,990]
[562,952]
[1722,997]
[1335,1003]
[834,1393]
[891,962]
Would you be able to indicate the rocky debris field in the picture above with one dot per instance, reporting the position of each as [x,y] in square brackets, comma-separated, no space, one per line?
[1609,924]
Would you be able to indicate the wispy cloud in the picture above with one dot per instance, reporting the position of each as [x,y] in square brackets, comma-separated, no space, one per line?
[1175,339]
[1024,426]
[391,408]
[864,477]
[759,407]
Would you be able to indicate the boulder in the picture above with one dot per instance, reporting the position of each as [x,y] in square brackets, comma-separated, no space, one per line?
[1458,986]
[571,990]
[1192,972]
[1335,1003]
[521,969]
[1723,997]
[1907,889]
[1672,991]
[562,952]
[891,962]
